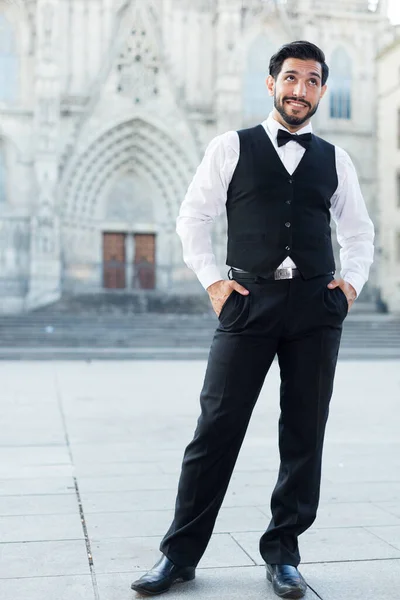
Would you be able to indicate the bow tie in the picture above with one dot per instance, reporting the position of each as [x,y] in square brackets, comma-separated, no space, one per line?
[284,137]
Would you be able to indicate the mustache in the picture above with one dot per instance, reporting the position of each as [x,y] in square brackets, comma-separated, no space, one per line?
[298,101]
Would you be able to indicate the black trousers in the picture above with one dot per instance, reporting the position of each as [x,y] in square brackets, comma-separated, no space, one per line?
[300,322]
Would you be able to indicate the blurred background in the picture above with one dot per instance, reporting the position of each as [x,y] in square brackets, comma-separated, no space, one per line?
[106,107]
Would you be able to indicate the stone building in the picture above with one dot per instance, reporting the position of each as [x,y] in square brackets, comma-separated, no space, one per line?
[106,107]
[389,173]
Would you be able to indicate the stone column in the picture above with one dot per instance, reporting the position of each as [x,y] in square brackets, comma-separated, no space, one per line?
[228,69]
[45,269]
[129,258]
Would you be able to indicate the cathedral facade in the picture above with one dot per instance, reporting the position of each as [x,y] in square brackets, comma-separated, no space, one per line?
[106,107]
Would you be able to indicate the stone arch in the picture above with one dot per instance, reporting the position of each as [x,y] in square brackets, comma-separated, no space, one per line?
[129,198]
[136,144]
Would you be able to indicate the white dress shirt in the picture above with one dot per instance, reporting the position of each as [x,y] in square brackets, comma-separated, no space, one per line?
[207,195]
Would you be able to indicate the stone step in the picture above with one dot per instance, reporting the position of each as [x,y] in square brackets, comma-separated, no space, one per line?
[147,303]
[163,336]
[151,353]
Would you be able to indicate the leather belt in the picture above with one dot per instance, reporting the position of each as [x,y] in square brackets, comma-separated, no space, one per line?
[279,274]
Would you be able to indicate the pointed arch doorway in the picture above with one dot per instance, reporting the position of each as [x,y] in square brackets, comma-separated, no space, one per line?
[129,260]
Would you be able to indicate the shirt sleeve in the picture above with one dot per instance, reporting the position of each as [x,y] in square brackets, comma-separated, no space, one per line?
[204,201]
[355,230]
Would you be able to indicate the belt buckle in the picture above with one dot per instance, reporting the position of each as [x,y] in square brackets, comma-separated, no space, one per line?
[285,273]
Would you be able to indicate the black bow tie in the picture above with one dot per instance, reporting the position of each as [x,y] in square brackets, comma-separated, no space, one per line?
[284,137]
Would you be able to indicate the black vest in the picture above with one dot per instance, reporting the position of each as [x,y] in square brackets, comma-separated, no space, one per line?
[273,215]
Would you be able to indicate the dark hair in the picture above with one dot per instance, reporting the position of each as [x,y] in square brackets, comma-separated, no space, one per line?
[303,51]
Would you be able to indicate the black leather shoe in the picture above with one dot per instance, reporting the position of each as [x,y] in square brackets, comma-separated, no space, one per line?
[160,578]
[286,581]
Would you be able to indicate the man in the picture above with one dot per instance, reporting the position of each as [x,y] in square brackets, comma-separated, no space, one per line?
[279,184]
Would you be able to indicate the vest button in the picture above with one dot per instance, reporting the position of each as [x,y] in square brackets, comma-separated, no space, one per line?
[287,248]
[288,202]
[290,180]
[287,224]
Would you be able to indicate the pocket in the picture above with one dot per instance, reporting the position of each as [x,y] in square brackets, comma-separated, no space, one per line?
[234,312]
[335,302]
[344,299]
[226,303]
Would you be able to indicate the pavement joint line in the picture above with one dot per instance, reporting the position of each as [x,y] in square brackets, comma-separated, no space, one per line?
[87,542]
[59,514]
[351,560]
[255,566]
[231,535]
[40,541]
[314,591]
[392,514]
[78,496]
[44,576]
[379,537]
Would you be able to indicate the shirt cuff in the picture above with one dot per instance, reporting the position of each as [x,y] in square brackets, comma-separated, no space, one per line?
[356,280]
[209,275]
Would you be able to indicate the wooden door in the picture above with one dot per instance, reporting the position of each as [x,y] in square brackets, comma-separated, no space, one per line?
[145,261]
[114,261]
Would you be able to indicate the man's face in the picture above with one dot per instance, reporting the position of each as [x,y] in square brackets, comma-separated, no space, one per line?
[297,91]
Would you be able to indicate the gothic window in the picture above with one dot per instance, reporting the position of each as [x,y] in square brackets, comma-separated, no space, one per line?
[8,63]
[257,104]
[340,82]
[138,67]
[2,174]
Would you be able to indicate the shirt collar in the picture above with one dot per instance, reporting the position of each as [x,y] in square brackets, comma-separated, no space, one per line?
[272,126]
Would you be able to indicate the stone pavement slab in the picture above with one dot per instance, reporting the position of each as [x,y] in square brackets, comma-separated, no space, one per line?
[236,583]
[241,518]
[328,545]
[127,524]
[137,554]
[42,559]
[48,588]
[392,508]
[50,454]
[360,470]
[125,501]
[256,495]
[121,429]
[156,522]
[371,580]
[377,492]
[33,485]
[391,535]
[129,501]
[36,528]
[55,504]
[351,514]
[102,452]
[101,469]
[15,471]
[28,429]
[127,483]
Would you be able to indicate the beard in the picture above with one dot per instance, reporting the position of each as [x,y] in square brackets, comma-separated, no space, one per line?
[292,119]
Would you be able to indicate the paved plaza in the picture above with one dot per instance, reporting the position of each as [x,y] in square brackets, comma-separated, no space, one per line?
[90,456]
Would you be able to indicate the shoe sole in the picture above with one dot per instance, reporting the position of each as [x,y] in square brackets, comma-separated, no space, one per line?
[149,593]
[290,595]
